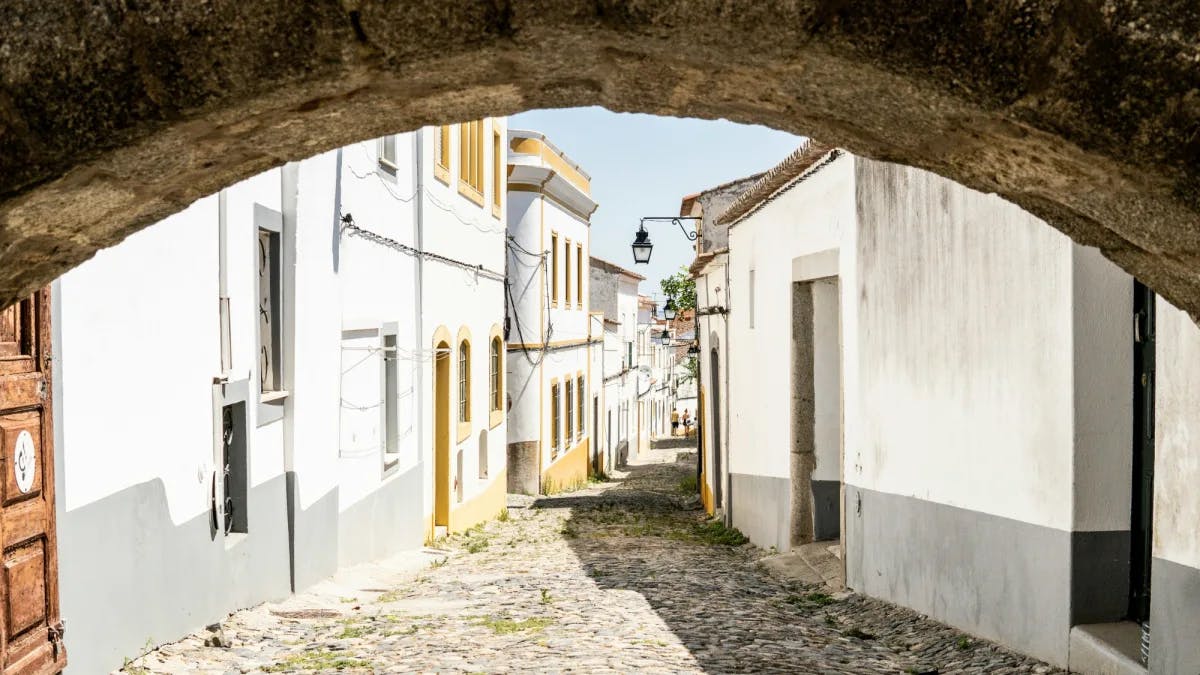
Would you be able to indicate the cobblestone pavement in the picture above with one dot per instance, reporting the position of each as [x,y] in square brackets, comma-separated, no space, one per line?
[623,576]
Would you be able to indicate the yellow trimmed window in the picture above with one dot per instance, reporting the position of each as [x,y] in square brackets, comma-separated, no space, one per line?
[570,411]
[567,276]
[496,392]
[497,171]
[441,154]
[579,273]
[579,399]
[554,268]
[464,381]
[470,154]
[554,420]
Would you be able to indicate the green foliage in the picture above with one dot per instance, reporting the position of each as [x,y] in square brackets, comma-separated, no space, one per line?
[682,287]
[321,661]
[714,533]
[687,484]
[508,626]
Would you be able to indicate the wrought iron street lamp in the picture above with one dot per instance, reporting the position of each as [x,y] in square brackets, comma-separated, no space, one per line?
[669,309]
[642,247]
[664,338]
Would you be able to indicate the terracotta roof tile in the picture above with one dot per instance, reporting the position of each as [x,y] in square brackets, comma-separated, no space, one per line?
[792,167]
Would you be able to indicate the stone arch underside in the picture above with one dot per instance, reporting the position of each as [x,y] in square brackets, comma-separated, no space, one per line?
[1086,113]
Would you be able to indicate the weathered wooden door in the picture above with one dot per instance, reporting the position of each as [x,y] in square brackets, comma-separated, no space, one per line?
[30,629]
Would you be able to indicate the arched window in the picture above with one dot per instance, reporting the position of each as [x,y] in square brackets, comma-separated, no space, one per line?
[496,390]
[464,381]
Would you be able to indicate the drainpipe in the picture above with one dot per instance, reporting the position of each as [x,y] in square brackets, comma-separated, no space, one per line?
[728,398]
[290,185]
[418,278]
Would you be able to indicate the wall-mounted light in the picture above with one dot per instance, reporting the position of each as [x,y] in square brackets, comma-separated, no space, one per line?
[641,239]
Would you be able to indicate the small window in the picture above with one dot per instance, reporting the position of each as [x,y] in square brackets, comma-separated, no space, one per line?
[391,400]
[554,420]
[269,324]
[235,468]
[442,155]
[464,381]
[579,273]
[470,154]
[496,389]
[579,399]
[570,411]
[567,273]
[554,268]
[387,151]
[497,170]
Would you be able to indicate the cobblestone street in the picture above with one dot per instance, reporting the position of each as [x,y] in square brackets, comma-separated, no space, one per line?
[622,576]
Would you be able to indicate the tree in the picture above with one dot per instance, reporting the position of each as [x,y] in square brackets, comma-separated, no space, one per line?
[682,287]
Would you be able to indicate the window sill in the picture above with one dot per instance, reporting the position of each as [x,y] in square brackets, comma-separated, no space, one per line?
[464,431]
[270,407]
[441,173]
[496,417]
[467,190]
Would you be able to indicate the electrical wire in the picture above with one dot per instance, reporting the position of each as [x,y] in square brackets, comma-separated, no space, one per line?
[357,231]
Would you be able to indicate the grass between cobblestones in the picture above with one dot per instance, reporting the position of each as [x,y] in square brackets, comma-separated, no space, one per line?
[624,576]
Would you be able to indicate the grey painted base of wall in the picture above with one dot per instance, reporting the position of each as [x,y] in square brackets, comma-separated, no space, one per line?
[387,521]
[761,507]
[128,574]
[524,468]
[827,509]
[315,541]
[1174,618]
[1009,581]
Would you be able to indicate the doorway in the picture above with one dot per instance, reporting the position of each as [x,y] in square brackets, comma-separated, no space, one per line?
[32,630]
[441,435]
[714,386]
[816,479]
[1142,516]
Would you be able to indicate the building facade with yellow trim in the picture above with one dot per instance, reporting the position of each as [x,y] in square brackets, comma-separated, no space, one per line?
[551,398]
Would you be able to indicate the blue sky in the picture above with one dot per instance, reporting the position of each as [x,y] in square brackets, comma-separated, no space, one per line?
[642,165]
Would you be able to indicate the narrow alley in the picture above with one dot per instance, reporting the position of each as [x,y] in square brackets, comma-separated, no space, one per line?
[621,576]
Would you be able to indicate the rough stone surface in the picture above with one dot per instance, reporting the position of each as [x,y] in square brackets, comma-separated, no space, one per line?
[114,115]
[617,578]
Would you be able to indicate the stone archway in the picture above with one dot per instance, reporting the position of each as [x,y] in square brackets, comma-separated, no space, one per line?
[1085,112]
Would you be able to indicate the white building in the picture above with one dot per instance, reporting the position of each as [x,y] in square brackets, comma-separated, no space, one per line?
[285,377]
[550,330]
[614,293]
[981,391]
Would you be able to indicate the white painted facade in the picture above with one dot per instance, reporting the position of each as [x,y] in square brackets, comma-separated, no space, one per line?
[336,449]
[972,368]
[614,292]
[549,342]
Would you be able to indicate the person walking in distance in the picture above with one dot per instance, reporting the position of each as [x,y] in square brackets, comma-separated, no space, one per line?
[674,422]
[687,422]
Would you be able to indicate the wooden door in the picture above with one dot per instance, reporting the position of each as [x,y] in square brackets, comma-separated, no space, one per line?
[1142,517]
[30,629]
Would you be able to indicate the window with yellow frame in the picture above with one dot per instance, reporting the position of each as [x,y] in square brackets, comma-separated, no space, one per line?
[497,171]
[554,420]
[579,274]
[570,408]
[554,269]
[567,275]
[579,398]
[441,154]
[470,160]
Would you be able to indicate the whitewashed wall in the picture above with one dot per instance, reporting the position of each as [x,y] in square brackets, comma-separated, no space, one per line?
[988,412]
[805,220]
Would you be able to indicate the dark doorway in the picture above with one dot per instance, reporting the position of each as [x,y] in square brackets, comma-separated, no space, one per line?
[715,388]
[1142,518]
